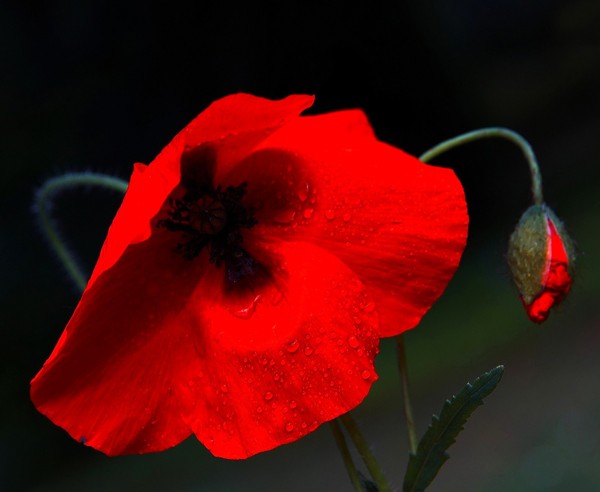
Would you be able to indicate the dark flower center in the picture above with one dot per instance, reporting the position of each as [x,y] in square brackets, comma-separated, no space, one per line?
[212,218]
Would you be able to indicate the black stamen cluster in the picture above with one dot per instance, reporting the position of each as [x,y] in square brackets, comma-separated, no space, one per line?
[213,219]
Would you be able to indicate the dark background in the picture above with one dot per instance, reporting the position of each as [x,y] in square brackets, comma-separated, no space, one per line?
[95,86]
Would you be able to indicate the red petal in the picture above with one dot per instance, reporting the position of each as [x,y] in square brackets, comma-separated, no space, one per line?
[234,124]
[399,224]
[558,277]
[109,381]
[556,282]
[152,352]
[277,362]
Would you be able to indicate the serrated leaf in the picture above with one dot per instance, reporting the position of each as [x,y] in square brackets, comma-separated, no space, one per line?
[441,434]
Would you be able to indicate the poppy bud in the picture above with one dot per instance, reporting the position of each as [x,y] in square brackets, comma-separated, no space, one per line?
[540,257]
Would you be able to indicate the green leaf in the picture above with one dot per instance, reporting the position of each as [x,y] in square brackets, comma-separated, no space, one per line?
[441,434]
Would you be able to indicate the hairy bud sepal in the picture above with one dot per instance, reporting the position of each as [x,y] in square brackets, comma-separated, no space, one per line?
[541,260]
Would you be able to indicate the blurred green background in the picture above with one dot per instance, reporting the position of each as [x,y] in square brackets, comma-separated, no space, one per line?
[89,85]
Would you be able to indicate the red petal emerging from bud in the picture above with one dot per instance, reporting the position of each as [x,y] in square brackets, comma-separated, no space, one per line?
[541,261]
[556,280]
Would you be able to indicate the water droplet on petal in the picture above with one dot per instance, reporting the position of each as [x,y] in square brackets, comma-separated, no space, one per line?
[293,404]
[308,213]
[303,192]
[353,342]
[289,427]
[293,346]
[330,214]
[365,374]
[259,409]
[308,351]
[369,307]
[224,388]
[248,311]
[268,395]
[277,298]
[285,217]
[346,217]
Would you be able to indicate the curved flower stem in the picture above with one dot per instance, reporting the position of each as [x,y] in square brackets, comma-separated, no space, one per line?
[340,440]
[495,132]
[408,413]
[42,209]
[365,453]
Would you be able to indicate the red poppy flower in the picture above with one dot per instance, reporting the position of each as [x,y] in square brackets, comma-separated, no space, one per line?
[541,259]
[246,280]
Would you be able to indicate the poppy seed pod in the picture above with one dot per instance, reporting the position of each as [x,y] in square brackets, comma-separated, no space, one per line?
[540,257]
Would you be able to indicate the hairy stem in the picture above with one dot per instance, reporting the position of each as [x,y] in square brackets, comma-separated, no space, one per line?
[43,208]
[407,406]
[340,440]
[495,132]
[365,453]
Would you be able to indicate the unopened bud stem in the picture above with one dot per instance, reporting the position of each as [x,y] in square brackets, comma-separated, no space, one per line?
[495,132]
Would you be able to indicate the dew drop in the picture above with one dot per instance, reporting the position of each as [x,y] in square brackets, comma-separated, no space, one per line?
[308,351]
[247,312]
[308,213]
[346,217]
[293,346]
[259,409]
[330,214]
[268,396]
[365,374]
[285,217]
[224,388]
[369,307]
[293,404]
[353,342]
[277,298]
[289,427]
[303,192]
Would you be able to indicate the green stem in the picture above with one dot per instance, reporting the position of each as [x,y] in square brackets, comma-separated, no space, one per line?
[340,440]
[495,132]
[365,453]
[42,208]
[406,402]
